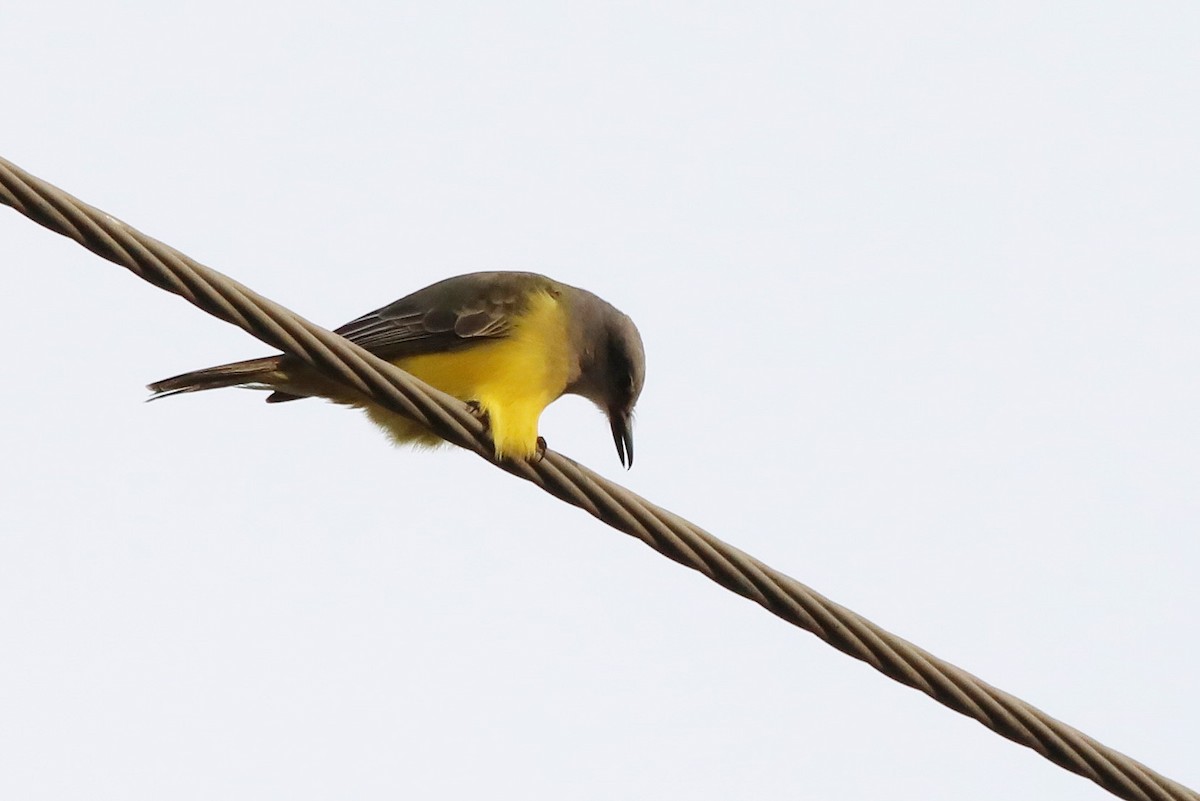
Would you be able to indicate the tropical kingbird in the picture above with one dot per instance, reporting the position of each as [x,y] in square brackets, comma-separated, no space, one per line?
[508,343]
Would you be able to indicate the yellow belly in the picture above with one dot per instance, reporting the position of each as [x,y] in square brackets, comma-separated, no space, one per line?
[512,379]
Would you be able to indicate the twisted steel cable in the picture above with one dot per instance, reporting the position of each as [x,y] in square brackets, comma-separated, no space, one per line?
[663,531]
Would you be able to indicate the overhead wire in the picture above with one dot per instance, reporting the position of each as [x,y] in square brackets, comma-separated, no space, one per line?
[573,483]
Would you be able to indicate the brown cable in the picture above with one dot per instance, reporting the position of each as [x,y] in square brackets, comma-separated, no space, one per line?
[625,511]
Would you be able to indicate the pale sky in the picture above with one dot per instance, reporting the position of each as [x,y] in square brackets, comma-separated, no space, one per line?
[918,285]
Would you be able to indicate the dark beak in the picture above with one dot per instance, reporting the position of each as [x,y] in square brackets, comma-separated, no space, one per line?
[622,429]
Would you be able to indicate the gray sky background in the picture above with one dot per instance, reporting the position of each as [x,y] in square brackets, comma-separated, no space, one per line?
[919,290]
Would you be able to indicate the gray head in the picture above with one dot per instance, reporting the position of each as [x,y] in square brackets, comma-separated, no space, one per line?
[612,365]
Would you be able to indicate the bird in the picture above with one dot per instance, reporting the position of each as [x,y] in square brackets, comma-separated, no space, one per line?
[507,343]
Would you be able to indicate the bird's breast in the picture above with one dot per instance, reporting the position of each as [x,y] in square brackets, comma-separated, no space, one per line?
[513,379]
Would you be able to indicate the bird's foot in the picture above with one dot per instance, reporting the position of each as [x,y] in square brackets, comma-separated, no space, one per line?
[478,411]
[540,453]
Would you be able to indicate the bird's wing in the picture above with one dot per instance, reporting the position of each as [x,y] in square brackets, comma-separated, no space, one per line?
[449,315]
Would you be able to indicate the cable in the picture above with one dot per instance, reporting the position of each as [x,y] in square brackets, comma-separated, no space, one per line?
[672,536]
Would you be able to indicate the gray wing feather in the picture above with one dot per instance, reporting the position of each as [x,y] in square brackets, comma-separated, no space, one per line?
[448,315]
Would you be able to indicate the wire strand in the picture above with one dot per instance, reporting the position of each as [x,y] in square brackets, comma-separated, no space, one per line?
[670,535]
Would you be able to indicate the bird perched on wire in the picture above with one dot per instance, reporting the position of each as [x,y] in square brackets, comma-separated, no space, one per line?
[508,343]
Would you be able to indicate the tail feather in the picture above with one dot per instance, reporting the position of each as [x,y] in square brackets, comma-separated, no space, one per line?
[251,373]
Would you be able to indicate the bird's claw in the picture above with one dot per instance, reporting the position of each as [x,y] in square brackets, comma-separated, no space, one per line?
[478,411]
